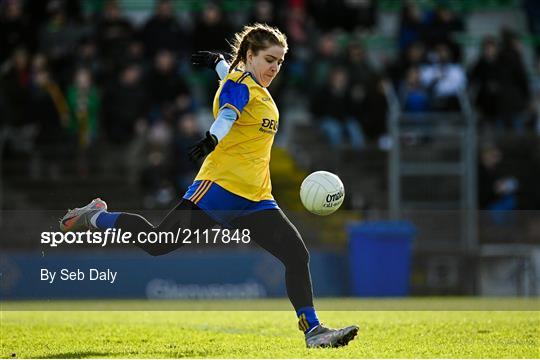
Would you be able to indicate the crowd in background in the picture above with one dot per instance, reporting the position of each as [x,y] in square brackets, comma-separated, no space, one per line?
[75,76]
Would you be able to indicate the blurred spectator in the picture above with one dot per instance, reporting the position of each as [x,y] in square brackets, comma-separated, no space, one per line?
[5,110]
[50,112]
[360,15]
[496,189]
[346,15]
[87,57]
[157,189]
[532,11]
[413,95]
[327,57]
[331,109]
[445,79]
[114,31]
[374,114]
[166,86]
[414,56]
[125,103]
[15,81]
[359,71]
[514,84]
[358,67]
[298,29]
[58,40]
[156,177]
[297,26]
[186,134]
[37,14]
[324,13]
[162,31]
[135,53]
[14,29]
[410,26]
[440,25]
[484,77]
[39,62]
[211,30]
[264,12]
[367,101]
[536,97]
[84,104]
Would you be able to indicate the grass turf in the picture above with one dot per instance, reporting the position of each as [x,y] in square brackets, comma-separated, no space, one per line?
[269,334]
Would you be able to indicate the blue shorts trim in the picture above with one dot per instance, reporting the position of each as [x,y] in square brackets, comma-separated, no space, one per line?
[222,205]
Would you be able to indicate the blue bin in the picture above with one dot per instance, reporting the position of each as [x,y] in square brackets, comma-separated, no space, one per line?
[380,257]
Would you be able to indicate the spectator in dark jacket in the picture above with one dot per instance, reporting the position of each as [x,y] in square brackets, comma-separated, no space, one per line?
[410,27]
[166,86]
[484,77]
[211,30]
[114,31]
[125,103]
[58,39]
[14,28]
[367,101]
[413,57]
[163,31]
[16,83]
[186,133]
[497,189]
[326,57]
[264,11]
[374,119]
[440,25]
[514,84]
[343,14]
[50,111]
[331,109]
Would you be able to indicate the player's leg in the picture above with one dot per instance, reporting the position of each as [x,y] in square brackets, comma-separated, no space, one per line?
[95,216]
[185,215]
[274,232]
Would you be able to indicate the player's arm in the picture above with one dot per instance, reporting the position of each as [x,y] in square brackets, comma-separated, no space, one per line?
[212,60]
[217,132]
[232,100]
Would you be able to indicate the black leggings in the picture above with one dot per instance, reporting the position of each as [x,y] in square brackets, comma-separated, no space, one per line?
[270,229]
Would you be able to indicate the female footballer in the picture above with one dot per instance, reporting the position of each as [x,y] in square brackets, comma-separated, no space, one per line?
[233,186]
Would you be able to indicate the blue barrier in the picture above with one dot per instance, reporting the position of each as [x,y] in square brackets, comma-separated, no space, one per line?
[380,258]
[183,274]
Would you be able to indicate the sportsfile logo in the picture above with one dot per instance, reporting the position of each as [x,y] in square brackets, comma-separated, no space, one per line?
[269,126]
[119,236]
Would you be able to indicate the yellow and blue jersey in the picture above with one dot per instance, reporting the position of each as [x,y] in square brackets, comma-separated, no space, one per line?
[240,162]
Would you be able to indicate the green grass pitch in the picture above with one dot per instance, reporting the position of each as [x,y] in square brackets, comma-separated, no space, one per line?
[409,328]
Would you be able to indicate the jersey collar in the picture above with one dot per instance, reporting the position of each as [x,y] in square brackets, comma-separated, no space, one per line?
[253,77]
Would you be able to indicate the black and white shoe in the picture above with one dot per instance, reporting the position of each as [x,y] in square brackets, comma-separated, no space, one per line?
[321,336]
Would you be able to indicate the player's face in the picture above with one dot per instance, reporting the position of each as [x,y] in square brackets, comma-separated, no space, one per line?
[266,64]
